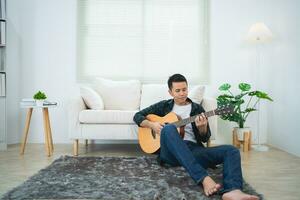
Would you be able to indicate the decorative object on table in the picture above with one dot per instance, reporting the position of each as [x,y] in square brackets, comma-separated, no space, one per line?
[114,178]
[31,102]
[259,35]
[39,98]
[241,112]
[49,103]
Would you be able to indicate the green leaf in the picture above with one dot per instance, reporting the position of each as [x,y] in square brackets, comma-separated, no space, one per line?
[253,93]
[225,87]
[239,102]
[249,110]
[244,87]
[240,95]
[39,95]
[225,100]
[261,95]
[235,117]
[225,96]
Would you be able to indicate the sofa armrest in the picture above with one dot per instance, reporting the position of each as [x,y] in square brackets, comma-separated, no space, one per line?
[75,106]
[209,104]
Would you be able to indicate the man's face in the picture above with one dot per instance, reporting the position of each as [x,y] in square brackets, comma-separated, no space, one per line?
[179,92]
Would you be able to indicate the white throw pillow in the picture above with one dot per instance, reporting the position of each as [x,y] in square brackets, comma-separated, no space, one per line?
[153,93]
[91,98]
[196,93]
[119,95]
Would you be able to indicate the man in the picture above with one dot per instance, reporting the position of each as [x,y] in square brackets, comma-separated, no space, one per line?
[189,152]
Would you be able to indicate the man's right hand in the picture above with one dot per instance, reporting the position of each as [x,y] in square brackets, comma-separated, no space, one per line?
[156,127]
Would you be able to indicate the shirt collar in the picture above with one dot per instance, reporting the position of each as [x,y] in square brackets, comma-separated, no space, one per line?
[171,102]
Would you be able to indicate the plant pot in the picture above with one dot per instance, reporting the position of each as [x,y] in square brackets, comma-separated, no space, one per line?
[240,132]
[39,102]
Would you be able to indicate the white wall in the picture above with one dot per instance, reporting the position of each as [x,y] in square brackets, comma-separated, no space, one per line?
[283,116]
[233,60]
[230,55]
[42,55]
[13,62]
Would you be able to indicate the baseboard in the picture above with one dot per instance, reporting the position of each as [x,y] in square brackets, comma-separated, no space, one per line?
[115,141]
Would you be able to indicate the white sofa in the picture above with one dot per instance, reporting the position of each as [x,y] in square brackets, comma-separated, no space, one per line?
[115,104]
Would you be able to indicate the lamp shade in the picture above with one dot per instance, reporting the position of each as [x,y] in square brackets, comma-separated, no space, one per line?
[259,33]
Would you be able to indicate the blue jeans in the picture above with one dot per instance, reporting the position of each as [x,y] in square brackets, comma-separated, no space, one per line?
[196,159]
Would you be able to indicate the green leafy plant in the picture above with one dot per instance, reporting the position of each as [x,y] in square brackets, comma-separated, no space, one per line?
[241,112]
[40,96]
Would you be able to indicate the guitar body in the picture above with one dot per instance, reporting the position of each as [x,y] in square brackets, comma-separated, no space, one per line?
[148,139]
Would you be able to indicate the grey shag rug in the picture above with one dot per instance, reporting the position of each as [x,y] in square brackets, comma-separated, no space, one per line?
[113,178]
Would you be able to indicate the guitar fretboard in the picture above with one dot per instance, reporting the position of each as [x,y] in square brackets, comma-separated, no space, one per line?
[192,119]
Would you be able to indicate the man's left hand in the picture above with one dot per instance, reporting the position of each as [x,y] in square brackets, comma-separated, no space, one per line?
[201,123]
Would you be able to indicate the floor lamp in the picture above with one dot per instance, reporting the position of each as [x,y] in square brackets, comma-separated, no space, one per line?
[259,34]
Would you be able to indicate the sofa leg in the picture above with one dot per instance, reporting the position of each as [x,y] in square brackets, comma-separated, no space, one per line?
[75,147]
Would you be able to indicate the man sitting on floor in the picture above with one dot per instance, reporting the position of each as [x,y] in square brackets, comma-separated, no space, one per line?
[189,152]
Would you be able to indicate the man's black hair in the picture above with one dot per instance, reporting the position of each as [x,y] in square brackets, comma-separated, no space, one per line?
[175,78]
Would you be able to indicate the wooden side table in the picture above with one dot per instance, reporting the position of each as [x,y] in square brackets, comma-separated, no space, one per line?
[47,126]
[246,142]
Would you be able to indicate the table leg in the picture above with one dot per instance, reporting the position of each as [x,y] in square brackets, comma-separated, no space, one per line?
[26,129]
[235,140]
[250,141]
[49,130]
[246,141]
[47,140]
[75,147]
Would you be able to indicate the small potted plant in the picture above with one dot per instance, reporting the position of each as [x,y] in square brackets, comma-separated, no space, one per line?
[39,98]
[241,112]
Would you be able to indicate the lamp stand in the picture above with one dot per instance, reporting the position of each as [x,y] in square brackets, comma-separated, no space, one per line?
[258,147]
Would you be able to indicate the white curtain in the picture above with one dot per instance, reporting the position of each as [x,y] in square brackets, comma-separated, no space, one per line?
[147,40]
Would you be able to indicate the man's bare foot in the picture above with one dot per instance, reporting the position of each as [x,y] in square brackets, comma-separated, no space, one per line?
[210,186]
[238,195]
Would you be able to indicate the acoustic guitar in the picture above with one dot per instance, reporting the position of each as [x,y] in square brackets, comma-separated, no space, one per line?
[150,141]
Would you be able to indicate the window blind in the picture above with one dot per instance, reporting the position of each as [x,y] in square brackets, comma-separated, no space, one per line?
[147,40]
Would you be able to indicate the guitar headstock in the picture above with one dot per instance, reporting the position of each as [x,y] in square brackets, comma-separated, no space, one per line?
[225,109]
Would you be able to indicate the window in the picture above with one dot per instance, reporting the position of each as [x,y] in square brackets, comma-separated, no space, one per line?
[142,39]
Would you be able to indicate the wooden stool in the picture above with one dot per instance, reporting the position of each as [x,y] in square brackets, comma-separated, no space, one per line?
[246,142]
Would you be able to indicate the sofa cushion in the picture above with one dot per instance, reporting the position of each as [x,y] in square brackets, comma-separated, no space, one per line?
[119,95]
[91,98]
[153,93]
[196,93]
[107,116]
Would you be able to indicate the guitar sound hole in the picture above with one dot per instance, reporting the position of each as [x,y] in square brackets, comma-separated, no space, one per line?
[153,134]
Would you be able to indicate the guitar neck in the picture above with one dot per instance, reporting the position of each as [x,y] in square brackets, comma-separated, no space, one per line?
[192,119]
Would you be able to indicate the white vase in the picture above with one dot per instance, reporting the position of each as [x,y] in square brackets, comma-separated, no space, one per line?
[240,132]
[39,102]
